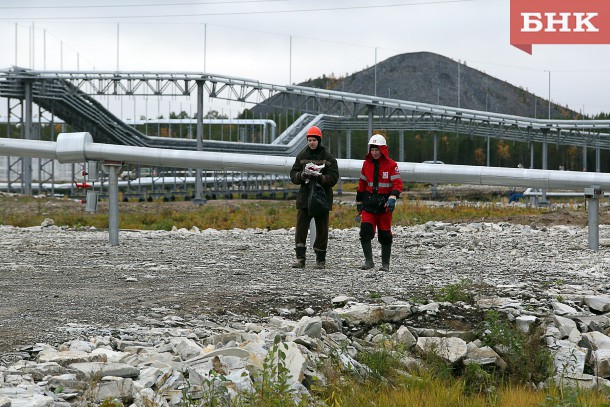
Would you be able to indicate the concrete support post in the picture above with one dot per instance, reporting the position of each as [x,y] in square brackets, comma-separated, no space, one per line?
[593,205]
[26,162]
[543,200]
[198,179]
[339,183]
[598,160]
[371,110]
[113,169]
[584,157]
[435,151]
[401,145]
[592,195]
[348,145]
[435,184]
[488,155]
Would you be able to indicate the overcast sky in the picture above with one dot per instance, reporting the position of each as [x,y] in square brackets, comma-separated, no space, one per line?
[252,39]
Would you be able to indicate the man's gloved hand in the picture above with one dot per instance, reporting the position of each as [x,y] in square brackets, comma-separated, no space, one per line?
[391,203]
[359,207]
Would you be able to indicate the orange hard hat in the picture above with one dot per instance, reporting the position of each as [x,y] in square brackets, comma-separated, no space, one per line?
[314,132]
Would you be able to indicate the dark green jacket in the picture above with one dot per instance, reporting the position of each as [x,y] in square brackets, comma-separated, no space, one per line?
[329,177]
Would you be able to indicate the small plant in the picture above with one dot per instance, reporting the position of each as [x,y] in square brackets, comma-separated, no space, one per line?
[456,292]
[380,362]
[213,392]
[526,357]
[111,403]
[374,295]
[477,380]
[272,387]
[384,359]
[437,366]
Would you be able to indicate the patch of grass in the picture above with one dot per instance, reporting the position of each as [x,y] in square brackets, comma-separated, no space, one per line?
[461,291]
[28,211]
[528,360]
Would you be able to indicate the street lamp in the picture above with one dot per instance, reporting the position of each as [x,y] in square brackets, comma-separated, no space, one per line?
[549,94]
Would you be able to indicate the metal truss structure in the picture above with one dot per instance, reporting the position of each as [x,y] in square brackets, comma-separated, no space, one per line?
[391,113]
[71,96]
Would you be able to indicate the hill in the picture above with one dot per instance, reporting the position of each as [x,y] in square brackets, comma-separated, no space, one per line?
[431,78]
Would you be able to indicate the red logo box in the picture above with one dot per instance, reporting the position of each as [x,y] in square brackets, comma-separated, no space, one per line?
[559,22]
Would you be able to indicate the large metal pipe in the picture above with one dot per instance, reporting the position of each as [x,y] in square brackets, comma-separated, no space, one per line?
[79,147]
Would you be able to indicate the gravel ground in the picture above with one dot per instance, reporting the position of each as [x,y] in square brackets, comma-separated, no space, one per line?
[54,277]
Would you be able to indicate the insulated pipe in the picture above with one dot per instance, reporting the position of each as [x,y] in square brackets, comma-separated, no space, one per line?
[79,147]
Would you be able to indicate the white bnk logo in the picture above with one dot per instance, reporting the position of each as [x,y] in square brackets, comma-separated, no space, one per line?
[567,22]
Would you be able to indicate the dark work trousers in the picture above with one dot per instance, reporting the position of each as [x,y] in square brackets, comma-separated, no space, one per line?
[303,220]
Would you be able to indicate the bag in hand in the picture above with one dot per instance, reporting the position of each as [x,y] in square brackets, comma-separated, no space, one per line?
[318,203]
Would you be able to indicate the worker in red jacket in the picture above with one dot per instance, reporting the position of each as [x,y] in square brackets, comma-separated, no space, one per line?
[379,187]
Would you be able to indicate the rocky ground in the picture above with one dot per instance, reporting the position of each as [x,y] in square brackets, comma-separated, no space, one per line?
[53,277]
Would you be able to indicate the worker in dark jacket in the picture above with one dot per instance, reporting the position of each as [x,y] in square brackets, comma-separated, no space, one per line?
[313,163]
[379,187]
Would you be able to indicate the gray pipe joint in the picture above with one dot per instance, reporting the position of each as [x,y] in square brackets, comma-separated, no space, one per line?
[71,147]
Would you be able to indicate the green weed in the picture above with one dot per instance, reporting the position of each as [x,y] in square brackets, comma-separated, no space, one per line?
[461,291]
[528,361]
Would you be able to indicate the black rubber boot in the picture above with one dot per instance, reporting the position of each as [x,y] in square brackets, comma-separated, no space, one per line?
[300,263]
[367,249]
[320,259]
[386,252]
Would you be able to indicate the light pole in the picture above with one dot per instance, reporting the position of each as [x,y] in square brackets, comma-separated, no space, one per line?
[117,47]
[205,46]
[375,71]
[549,71]
[458,84]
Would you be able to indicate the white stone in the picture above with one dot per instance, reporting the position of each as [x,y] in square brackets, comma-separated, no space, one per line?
[68,357]
[525,322]
[599,303]
[570,360]
[185,348]
[565,325]
[451,350]
[563,309]
[405,337]
[91,369]
[310,326]
[595,340]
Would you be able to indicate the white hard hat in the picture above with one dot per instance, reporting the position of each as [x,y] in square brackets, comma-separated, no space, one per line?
[377,140]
